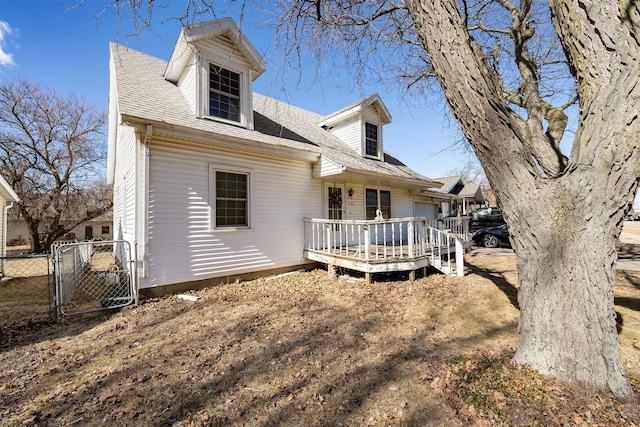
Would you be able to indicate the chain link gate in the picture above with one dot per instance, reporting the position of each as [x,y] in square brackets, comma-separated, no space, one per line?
[93,276]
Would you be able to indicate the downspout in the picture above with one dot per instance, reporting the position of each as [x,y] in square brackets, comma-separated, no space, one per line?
[145,202]
[5,210]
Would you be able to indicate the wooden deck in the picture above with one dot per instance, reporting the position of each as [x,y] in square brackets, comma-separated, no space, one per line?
[403,244]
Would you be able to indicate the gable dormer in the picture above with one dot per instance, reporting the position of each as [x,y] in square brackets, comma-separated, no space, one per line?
[214,66]
[359,126]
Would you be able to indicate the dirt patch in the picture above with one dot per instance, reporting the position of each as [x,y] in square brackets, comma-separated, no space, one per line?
[302,350]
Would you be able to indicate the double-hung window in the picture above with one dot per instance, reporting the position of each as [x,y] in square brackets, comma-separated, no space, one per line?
[377,200]
[371,141]
[231,194]
[224,93]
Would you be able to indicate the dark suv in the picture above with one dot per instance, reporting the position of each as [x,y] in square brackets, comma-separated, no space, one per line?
[485,217]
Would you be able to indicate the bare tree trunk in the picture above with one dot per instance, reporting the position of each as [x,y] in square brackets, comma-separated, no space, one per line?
[565,266]
[36,247]
[565,218]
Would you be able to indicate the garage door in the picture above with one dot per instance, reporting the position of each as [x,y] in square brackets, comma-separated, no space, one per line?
[426,210]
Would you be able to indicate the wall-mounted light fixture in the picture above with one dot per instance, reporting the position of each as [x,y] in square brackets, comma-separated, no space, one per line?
[351,193]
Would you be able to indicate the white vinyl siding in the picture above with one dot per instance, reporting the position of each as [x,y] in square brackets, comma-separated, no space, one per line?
[124,209]
[402,203]
[2,226]
[349,132]
[425,210]
[182,246]
[355,203]
[187,85]
[326,167]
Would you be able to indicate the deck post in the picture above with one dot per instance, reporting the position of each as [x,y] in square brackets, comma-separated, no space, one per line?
[367,243]
[367,277]
[410,240]
[412,276]
[331,271]
[459,258]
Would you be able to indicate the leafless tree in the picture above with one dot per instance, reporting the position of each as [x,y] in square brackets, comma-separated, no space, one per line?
[52,154]
[509,71]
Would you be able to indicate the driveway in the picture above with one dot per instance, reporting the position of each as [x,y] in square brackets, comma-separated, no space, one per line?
[627,260]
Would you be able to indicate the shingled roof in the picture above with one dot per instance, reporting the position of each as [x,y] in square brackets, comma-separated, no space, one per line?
[145,96]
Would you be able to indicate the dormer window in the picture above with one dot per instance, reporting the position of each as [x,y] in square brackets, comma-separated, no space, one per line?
[371,140]
[224,93]
[359,126]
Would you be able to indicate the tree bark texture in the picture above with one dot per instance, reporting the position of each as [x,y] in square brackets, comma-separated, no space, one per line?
[565,219]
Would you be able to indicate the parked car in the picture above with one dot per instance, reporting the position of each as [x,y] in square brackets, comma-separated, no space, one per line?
[492,237]
[485,217]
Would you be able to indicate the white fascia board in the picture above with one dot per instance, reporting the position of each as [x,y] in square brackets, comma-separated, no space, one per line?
[347,114]
[436,194]
[179,57]
[183,48]
[112,130]
[7,192]
[385,116]
[406,181]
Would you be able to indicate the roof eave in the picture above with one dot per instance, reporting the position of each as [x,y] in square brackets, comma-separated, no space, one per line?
[7,192]
[189,35]
[181,133]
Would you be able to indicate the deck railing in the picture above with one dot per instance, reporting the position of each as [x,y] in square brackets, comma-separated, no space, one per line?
[387,240]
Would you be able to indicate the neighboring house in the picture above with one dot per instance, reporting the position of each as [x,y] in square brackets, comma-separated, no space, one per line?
[7,198]
[213,181]
[465,196]
[100,228]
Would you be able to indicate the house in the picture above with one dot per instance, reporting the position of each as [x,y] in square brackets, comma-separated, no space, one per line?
[465,196]
[7,198]
[99,228]
[213,182]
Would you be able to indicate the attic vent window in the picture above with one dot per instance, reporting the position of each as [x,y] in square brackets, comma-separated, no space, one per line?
[224,93]
[371,140]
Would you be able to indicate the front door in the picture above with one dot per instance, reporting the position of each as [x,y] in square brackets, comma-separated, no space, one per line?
[88,232]
[334,201]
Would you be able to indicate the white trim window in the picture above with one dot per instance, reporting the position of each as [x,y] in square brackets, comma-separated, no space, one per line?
[224,93]
[371,140]
[231,198]
[377,200]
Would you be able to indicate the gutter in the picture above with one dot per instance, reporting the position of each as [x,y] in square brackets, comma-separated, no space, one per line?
[178,133]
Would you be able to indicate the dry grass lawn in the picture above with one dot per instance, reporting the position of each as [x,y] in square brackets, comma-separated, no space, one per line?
[300,350]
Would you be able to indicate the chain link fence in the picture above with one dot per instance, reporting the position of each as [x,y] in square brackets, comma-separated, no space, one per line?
[93,276]
[26,288]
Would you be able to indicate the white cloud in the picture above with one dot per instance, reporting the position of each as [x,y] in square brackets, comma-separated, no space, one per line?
[6,58]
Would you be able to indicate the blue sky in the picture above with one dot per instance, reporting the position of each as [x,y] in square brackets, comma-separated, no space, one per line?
[67,49]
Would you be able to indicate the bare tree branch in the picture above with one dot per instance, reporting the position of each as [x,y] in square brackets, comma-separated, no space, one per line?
[52,153]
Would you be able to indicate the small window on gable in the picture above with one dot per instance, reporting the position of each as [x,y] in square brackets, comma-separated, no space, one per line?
[372,142]
[231,202]
[224,93]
